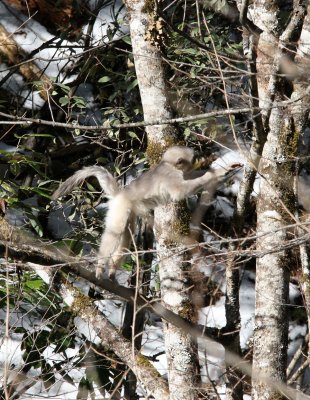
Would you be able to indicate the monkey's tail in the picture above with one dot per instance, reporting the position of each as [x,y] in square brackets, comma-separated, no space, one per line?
[106,180]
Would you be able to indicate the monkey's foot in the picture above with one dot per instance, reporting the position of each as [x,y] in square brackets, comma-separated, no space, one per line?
[99,272]
[112,275]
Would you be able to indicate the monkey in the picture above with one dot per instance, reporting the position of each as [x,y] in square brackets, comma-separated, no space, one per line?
[168,181]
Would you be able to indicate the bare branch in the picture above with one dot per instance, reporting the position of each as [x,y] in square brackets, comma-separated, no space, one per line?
[107,126]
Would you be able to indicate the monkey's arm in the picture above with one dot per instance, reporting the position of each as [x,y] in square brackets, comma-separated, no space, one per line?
[206,198]
[106,180]
[182,188]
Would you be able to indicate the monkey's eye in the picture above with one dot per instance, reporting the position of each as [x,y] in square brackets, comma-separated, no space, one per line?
[180,163]
[183,164]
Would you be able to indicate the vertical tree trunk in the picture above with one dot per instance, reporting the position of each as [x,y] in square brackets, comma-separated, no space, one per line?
[272,270]
[179,348]
[150,72]
[301,114]
[234,389]
[233,381]
[275,208]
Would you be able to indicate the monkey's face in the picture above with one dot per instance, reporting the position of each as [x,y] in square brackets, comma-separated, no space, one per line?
[184,164]
[180,157]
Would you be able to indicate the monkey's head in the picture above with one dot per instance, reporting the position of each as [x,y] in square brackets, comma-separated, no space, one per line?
[180,157]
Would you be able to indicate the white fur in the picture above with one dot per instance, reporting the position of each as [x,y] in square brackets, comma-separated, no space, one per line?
[158,186]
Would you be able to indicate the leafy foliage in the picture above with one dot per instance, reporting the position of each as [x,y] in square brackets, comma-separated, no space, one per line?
[94,83]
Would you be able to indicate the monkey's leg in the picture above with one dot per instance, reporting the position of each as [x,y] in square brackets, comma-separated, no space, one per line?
[123,247]
[107,251]
[114,236]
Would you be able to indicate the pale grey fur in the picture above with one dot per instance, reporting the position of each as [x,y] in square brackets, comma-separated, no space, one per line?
[106,180]
[158,186]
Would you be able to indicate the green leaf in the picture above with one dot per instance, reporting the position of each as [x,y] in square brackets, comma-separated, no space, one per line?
[126,39]
[189,51]
[79,101]
[104,79]
[6,186]
[34,284]
[34,222]
[133,135]
[64,88]
[41,192]
[133,84]
[15,167]
[187,132]
[64,100]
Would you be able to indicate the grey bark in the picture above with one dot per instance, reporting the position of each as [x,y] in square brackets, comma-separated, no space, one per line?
[275,208]
[146,42]
[301,114]
[234,389]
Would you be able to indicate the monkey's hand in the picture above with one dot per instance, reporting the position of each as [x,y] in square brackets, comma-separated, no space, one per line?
[226,172]
[217,176]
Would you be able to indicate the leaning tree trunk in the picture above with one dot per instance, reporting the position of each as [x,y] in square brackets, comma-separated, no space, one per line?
[275,207]
[145,32]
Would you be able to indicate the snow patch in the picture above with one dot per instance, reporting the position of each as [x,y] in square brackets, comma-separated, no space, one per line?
[69,299]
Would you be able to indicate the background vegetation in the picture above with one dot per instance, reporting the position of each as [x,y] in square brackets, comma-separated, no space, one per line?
[237,88]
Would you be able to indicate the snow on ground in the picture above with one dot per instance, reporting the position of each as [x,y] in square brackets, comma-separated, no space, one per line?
[153,344]
[11,352]
[30,35]
[247,306]
[55,62]
[105,21]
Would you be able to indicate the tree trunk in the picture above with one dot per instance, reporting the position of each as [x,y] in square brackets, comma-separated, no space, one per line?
[272,270]
[301,113]
[234,390]
[275,208]
[146,40]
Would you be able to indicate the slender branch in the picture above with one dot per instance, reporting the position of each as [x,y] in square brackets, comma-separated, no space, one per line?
[30,71]
[299,371]
[107,126]
[298,354]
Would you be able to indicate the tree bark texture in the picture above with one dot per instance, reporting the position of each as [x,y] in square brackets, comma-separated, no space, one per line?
[275,207]
[301,114]
[149,69]
[180,350]
[146,38]
[234,389]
